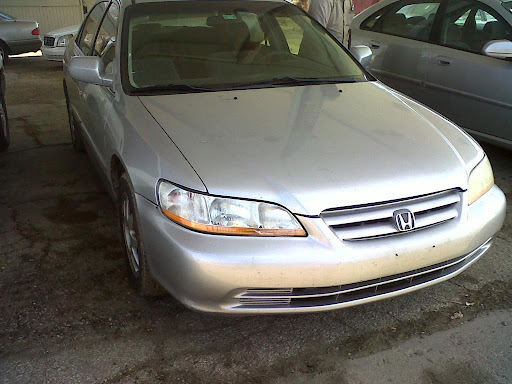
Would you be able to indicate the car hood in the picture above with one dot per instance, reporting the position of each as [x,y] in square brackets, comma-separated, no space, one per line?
[311,148]
[64,31]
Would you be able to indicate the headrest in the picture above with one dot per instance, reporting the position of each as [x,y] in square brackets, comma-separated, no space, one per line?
[397,18]
[495,29]
[240,22]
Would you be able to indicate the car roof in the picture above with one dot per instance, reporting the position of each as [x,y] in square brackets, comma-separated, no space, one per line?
[130,2]
[127,3]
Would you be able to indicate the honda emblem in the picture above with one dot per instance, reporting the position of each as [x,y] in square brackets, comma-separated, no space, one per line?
[403,220]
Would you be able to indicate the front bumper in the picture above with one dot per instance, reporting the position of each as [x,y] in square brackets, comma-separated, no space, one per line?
[53,53]
[245,275]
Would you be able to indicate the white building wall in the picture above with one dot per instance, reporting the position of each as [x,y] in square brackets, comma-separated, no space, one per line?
[51,14]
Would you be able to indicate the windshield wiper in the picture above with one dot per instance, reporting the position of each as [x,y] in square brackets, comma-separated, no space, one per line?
[275,82]
[174,87]
[289,80]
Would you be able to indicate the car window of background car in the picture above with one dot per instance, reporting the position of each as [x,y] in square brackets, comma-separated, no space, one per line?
[410,19]
[5,16]
[469,25]
[218,44]
[91,27]
[107,34]
[481,18]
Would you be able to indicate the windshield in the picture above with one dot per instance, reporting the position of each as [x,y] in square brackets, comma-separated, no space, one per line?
[216,45]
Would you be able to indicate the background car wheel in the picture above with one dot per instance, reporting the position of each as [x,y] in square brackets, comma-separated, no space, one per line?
[76,136]
[3,52]
[5,137]
[137,264]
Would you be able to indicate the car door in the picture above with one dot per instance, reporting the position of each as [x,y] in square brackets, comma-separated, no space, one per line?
[99,99]
[85,47]
[465,85]
[398,35]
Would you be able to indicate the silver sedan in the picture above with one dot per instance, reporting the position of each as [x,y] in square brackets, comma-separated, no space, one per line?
[259,169]
[452,55]
[18,36]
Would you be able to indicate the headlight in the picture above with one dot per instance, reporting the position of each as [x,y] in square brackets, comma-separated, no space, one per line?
[481,180]
[219,215]
[64,40]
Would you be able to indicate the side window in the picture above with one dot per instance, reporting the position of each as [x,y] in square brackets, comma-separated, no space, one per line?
[293,33]
[410,19]
[469,25]
[90,28]
[104,46]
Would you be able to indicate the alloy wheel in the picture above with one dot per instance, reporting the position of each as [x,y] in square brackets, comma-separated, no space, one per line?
[130,234]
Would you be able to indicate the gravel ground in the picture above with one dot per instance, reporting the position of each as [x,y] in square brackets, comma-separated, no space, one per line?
[68,313]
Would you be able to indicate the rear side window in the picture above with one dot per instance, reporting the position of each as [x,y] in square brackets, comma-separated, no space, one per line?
[293,33]
[90,28]
[409,19]
[469,25]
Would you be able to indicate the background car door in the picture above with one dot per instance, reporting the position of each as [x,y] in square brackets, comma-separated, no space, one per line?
[472,89]
[98,98]
[398,35]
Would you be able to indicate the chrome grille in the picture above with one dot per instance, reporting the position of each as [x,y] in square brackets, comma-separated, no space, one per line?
[350,294]
[49,41]
[374,221]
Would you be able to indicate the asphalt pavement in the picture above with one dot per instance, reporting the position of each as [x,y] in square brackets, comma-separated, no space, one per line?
[68,313]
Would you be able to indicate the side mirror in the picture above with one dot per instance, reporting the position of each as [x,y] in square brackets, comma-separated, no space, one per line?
[89,69]
[363,54]
[500,49]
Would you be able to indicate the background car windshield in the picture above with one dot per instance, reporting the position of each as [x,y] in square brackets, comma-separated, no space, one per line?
[222,44]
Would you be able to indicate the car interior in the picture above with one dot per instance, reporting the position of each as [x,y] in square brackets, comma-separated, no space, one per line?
[465,25]
[224,47]
[414,23]
[470,28]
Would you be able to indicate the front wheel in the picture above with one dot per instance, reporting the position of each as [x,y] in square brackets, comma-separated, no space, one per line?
[5,137]
[137,263]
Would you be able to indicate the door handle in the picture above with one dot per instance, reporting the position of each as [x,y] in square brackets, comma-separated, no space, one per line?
[374,44]
[444,61]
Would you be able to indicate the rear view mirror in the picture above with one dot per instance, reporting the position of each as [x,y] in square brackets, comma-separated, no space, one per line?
[89,69]
[500,49]
[362,53]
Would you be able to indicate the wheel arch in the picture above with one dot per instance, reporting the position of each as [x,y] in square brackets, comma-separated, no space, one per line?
[6,46]
[117,169]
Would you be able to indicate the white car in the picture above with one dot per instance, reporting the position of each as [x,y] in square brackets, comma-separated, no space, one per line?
[55,42]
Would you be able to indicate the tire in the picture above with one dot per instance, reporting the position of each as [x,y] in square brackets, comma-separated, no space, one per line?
[4,52]
[74,130]
[135,255]
[5,137]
